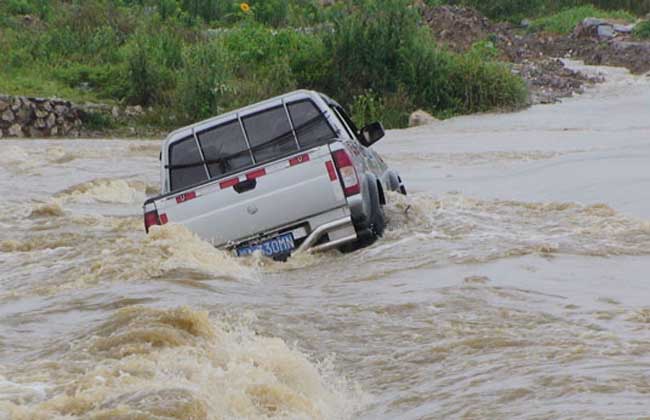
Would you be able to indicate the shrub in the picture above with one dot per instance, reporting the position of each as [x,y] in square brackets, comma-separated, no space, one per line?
[642,30]
[204,81]
[145,77]
[382,48]
[97,121]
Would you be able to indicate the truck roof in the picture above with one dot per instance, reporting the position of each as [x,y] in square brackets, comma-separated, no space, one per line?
[183,132]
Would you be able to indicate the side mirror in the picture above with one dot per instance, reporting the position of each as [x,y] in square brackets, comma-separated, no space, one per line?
[372,133]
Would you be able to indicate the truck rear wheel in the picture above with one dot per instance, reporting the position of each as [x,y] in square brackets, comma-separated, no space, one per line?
[369,230]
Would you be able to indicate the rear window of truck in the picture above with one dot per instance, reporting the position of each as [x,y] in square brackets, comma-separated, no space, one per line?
[269,134]
[266,136]
[225,149]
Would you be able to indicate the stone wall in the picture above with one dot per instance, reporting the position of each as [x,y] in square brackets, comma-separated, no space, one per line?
[38,117]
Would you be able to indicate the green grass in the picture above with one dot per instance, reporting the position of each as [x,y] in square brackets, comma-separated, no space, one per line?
[642,30]
[36,83]
[565,21]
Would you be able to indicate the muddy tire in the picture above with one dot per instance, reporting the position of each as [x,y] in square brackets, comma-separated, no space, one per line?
[370,230]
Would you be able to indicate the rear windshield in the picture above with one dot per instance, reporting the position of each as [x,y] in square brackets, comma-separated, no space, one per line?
[234,146]
[270,135]
[225,149]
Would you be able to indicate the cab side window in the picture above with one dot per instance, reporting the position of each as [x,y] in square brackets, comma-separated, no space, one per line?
[185,164]
[309,123]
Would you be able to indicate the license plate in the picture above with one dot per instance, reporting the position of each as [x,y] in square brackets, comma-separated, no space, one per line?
[278,245]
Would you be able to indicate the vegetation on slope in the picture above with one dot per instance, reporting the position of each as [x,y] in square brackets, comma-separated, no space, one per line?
[189,59]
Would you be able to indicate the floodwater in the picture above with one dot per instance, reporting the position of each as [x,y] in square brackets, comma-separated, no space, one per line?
[513,282]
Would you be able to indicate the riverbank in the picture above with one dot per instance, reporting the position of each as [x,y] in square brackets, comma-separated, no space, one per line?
[465,63]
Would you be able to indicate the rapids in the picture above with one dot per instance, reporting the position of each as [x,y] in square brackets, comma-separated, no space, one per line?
[512,282]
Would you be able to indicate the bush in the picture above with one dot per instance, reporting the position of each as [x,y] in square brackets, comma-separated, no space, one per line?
[565,21]
[96,121]
[382,48]
[204,81]
[145,77]
[642,30]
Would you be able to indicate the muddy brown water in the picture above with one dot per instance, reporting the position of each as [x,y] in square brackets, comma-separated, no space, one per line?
[513,282]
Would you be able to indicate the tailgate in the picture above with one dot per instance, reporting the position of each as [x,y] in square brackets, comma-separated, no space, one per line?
[270,196]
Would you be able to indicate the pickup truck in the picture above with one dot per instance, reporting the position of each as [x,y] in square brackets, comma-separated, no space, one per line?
[288,174]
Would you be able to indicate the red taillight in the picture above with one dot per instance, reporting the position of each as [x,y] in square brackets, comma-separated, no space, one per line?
[150,219]
[349,178]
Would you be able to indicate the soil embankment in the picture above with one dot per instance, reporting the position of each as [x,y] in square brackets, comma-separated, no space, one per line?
[535,55]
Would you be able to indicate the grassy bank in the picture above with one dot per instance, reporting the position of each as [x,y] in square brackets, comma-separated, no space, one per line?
[191,59]
[565,21]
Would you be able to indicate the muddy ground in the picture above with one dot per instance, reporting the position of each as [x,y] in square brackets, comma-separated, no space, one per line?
[535,56]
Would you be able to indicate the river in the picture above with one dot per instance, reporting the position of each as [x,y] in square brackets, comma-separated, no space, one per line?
[512,282]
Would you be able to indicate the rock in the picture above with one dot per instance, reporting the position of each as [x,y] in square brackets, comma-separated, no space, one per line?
[3,105]
[40,123]
[1,134]
[16,104]
[16,131]
[8,116]
[624,29]
[37,133]
[115,112]
[133,111]
[41,113]
[421,117]
[606,31]
[47,106]
[54,131]
[525,23]
[24,115]
[60,110]
[51,121]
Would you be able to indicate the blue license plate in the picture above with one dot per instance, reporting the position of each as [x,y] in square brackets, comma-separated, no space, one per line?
[278,245]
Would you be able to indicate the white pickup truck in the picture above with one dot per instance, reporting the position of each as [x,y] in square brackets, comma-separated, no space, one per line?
[288,174]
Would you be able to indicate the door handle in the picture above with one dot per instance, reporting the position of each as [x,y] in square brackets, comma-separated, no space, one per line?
[244,186]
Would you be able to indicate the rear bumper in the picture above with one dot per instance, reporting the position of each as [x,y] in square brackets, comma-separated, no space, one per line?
[319,233]
[343,228]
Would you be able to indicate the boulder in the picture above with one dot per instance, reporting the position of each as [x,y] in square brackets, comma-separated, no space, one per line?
[606,31]
[3,105]
[41,113]
[624,29]
[37,133]
[51,121]
[60,110]
[16,131]
[421,117]
[24,115]
[16,104]
[40,123]
[8,116]
[133,111]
